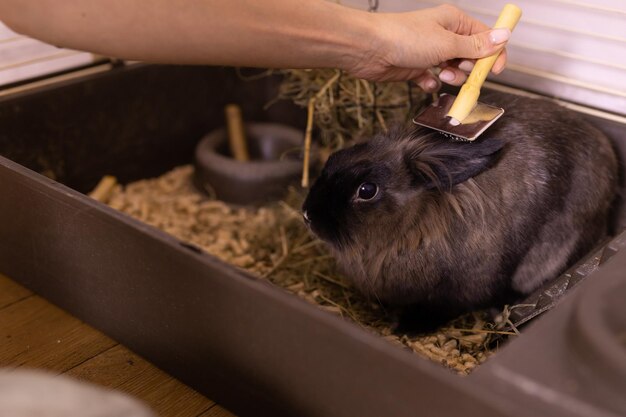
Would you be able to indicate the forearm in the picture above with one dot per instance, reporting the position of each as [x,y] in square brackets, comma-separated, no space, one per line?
[265,33]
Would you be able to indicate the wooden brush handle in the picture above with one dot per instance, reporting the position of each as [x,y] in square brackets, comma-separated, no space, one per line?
[236,133]
[468,96]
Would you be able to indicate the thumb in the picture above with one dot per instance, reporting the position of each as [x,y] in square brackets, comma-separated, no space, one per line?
[482,44]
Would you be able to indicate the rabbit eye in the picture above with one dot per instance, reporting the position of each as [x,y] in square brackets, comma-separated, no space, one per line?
[367,191]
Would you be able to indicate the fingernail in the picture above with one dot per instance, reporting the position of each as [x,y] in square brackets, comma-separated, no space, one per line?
[466,66]
[498,36]
[431,85]
[446,76]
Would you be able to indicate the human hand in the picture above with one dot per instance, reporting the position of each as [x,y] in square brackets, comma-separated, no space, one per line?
[408,46]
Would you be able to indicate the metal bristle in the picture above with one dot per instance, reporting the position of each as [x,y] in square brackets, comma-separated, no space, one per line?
[453,137]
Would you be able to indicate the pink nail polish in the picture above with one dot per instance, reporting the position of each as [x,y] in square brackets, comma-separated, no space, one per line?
[446,76]
[466,66]
[498,36]
[431,85]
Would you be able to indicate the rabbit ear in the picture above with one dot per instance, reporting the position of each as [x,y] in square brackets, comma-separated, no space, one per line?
[439,163]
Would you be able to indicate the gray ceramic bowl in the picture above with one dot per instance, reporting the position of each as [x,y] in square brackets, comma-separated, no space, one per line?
[275,164]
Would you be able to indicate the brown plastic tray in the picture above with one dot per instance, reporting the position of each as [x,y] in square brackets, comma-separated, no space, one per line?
[249,345]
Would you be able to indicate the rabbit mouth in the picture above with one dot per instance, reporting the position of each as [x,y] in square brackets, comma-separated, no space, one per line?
[330,236]
[318,231]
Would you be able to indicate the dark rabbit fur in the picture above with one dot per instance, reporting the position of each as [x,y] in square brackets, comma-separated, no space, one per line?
[456,226]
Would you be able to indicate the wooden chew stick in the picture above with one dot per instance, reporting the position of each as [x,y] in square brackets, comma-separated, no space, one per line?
[236,133]
[102,192]
[307,142]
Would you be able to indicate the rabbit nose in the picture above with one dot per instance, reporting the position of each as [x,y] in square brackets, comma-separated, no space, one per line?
[305,215]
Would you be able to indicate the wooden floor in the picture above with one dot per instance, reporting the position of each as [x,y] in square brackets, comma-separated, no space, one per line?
[36,334]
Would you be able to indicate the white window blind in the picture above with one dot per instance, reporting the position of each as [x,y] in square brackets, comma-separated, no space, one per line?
[570,49]
[23,58]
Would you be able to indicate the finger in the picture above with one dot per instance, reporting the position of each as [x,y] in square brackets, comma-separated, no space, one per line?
[453,76]
[428,82]
[479,45]
[463,64]
[467,65]
[500,63]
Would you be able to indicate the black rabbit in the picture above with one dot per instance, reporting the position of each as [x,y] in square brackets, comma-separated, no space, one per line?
[417,219]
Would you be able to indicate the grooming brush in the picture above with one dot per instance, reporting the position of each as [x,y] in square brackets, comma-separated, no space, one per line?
[463,117]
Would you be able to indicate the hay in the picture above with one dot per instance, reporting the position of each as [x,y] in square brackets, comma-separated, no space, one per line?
[272,243]
[347,108]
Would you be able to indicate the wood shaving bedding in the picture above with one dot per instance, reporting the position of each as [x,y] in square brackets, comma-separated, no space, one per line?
[272,243]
